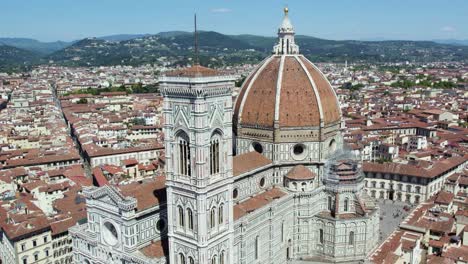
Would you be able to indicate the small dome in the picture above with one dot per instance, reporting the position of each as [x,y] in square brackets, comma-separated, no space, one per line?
[289,91]
[300,173]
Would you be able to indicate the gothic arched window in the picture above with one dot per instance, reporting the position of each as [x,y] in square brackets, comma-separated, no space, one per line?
[351,238]
[221,214]
[181,258]
[190,219]
[213,217]
[183,149]
[346,205]
[181,216]
[190,260]
[221,258]
[213,260]
[321,236]
[330,203]
[215,154]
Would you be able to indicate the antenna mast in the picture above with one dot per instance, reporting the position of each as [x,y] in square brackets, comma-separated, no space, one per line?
[196,40]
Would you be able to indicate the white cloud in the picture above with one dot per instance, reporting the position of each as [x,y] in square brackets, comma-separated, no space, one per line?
[448,29]
[221,10]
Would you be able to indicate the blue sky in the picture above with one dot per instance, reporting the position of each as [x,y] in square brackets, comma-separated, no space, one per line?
[49,20]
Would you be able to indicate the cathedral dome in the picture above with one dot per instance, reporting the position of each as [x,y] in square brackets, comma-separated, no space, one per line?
[286,109]
[286,91]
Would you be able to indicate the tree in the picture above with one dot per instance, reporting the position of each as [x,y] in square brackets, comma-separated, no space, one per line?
[240,81]
[138,121]
[82,101]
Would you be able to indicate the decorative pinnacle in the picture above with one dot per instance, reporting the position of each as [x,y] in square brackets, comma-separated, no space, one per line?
[286,10]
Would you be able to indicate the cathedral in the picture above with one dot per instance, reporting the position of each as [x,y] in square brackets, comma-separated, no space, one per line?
[264,179]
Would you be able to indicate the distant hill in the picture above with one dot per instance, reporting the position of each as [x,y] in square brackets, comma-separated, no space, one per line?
[463,42]
[12,58]
[176,48]
[35,45]
[218,49]
[122,37]
[169,47]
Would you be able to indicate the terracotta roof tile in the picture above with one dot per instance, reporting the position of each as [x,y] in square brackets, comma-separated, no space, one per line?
[148,194]
[157,249]
[300,172]
[248,162]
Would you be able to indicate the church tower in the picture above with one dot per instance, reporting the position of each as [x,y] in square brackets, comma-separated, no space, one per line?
[198,141]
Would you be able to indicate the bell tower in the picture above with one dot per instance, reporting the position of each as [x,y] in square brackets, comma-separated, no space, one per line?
[198,141]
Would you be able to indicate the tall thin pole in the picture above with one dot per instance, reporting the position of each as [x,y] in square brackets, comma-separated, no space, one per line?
[196,40]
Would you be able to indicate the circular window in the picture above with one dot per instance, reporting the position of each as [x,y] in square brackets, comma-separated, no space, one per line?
[160,225]
[262,182]
[235,193]
[299,152]
[298,149]
[257,147]
[110,234]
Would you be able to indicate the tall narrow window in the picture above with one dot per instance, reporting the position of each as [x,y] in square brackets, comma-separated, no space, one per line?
[190,219]
[346,205]
[190,260]
[330,203]
[181,216]
[282,232]
[213,260]
[256,247]
[221,258]
[184,155]
[321,236]
[213,217]
[220,214]
[351,238]
[214,155]
[181,258]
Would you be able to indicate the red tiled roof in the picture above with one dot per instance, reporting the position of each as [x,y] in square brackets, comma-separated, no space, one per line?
[444,197]
[248,162]
[300,172]
[257,202]
[148,194]
[437,169]
[99,177]
[157,249]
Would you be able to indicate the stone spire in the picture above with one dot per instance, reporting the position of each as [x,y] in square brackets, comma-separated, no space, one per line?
[286,44]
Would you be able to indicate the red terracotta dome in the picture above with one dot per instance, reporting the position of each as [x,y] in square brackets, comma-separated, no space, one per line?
[289,91]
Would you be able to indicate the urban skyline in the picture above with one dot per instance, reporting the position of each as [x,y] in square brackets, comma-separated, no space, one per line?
[213,149]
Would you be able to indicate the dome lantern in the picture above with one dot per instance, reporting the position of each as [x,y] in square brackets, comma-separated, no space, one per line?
[286,44]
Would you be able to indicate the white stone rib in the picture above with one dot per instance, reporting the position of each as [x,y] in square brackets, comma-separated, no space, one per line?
[241,108]
[278,88]
[317,95]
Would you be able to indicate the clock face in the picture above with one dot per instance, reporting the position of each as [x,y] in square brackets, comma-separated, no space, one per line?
[110,234]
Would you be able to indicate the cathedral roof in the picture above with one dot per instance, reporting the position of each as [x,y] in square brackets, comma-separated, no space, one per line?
[147,194]
[256,202]
[300,172]
[248,162]
[156,249]
[287,90]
